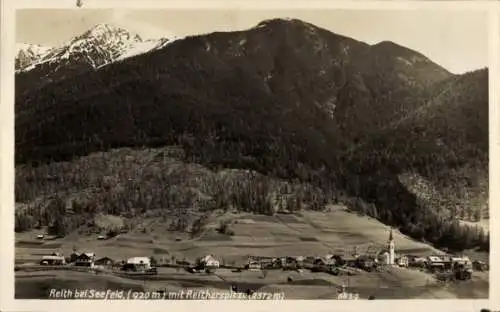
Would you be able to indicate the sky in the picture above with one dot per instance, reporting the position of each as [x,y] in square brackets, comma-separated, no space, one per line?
[455,39]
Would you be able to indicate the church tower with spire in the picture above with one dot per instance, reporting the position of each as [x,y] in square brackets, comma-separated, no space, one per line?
[391,248]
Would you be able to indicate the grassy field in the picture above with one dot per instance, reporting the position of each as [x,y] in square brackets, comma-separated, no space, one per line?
[305,233]
[484,224]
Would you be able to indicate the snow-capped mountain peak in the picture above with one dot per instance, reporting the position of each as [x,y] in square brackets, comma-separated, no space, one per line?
[97,46]
[27,53]
[107,31]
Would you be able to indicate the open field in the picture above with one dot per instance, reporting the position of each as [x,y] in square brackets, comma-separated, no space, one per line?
[395,283]
[306,234]
[484,224]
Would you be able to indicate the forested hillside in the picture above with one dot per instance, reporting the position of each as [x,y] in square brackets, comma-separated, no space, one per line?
[287,100]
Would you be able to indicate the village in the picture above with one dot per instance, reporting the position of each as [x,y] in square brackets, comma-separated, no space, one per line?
[444,268]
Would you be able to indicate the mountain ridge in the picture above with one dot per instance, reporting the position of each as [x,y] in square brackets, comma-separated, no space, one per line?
[29,53]
[100,45]
[285,99]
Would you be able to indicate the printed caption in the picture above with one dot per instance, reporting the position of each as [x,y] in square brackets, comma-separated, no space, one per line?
[188,294]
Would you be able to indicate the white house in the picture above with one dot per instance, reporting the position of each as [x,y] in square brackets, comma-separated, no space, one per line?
[143,263]
[209,262]
[461,261]
[300,259]
[53,260]
[436,263]
[403,261]
[435,259]
[254,265]
[91,255]
[328,256]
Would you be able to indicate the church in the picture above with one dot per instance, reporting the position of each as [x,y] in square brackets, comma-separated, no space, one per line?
[388,255]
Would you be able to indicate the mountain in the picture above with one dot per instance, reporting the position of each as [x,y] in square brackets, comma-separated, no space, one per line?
[286,99]
[434,157]
[302,79]
[28,54]
[142,47]
[100,45]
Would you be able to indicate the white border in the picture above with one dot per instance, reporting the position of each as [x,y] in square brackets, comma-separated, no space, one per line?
[494,126]
[7,170]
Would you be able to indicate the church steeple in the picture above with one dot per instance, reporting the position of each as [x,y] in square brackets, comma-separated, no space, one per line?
[392,247]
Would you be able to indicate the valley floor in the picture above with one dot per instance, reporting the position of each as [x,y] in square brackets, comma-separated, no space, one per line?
[302,234]
[395,283]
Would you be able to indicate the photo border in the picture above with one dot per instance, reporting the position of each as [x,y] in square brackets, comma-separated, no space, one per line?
[7,43]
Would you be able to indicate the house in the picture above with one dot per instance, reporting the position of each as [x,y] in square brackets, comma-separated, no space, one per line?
[463,260]
[403,261]
[90,255]
[350,261]
[323,264]
[267,263]
[276,262]
[53,260]
[299,261]
[480,265]
[254,265]
[319,264]
[85,259]
[417,262]
[209,262]
[436,263]
[139,263]
[289,262]
[365,263]
[434,259]
[447,261]
[40,236]
[105,261]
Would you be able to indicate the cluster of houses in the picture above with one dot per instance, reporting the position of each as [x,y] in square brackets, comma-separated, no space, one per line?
[85,259]
[89,260]
[330,263]
[383,258]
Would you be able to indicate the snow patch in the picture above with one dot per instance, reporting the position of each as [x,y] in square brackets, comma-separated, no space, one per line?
[405,61]
[27,54]
[138,48]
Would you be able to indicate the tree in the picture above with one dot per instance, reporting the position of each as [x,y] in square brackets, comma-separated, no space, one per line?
[59,227]
[23,222]
[153,261]
[477,215]
[198,226]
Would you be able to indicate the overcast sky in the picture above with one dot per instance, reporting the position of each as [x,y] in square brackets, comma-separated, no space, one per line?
[457,40]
